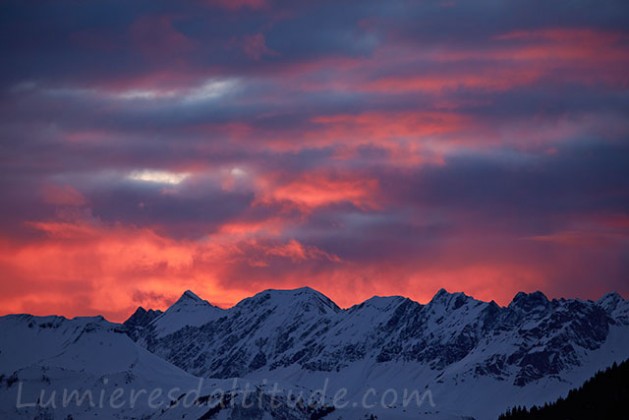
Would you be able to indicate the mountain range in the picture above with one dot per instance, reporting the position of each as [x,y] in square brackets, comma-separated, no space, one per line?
[454,357]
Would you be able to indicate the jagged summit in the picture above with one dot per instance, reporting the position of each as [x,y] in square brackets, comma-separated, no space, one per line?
[450,301]
[142,317]
[614,304]
[188,311]
[537,295]
[610,299]
[443,294]
[189,297]
[529,301]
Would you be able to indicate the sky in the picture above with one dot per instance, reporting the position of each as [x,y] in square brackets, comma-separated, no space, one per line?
[357,147]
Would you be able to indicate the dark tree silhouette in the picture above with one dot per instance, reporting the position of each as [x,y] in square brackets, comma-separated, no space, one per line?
[604,396]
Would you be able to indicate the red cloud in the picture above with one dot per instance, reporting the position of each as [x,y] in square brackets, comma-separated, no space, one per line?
[314,190]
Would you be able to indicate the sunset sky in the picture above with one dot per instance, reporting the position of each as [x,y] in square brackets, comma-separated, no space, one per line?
[358,147]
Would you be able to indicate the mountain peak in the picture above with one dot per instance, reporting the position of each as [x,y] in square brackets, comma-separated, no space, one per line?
[441,293]
[298,292]
[529,301]
[189,298]
[610,301]
[141,317]
[189,295]
[454,300]
[303,296]
[611,296]
[536,295]
[188,311]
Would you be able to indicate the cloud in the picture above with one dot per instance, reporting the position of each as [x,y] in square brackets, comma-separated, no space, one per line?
[160,177]
[360,147]
[314,190]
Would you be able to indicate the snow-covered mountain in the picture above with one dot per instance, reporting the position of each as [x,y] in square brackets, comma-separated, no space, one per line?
[52,353]
[189,310]
[462,357]
[298,335]
[57,368]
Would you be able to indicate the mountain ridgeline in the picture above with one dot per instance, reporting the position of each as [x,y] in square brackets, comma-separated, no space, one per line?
[473,359]
[532,338]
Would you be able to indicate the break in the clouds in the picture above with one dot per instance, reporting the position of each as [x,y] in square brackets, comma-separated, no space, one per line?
[358,147]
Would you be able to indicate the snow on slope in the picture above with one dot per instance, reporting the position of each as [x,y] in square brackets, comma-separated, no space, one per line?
[45,359]
[53,353]
[269,322]
[468,357]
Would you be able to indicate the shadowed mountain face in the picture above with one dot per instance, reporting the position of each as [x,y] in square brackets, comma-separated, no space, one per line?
[530,339]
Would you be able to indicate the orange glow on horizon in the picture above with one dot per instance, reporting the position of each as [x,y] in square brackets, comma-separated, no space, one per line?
[82,267]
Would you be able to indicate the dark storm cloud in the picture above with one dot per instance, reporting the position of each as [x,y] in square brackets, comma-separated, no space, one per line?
[500,196]
[191,214]
[468,23]
[73,42]
[511,188]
